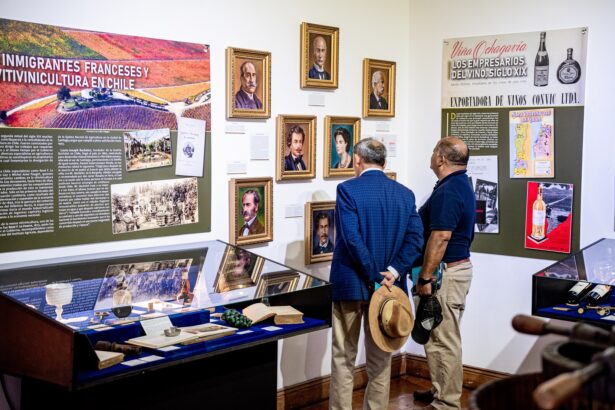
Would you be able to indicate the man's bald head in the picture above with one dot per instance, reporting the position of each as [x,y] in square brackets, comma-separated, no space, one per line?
[454,150]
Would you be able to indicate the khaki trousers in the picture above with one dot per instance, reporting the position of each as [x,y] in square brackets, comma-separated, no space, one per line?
[347,318]
[443,350]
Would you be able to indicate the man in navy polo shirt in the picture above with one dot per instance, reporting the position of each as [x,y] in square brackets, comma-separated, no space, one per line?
[448,223]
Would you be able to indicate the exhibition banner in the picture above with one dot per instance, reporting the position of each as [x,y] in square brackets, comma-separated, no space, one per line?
[88,136]
[56,77]
[505,96]
[543,68]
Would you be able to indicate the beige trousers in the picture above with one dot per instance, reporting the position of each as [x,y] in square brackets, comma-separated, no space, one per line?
[443,350]
[347,318]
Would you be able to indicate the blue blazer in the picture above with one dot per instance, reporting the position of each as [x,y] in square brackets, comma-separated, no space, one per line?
[377,226]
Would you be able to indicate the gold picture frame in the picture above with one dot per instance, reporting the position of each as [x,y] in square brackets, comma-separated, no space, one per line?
[346,131]
[391,174]
[319,231]
[384,104]
[238,269]
[312,282]
[275,283]
[258,194]
[290,129]
[319,56]
[245,99]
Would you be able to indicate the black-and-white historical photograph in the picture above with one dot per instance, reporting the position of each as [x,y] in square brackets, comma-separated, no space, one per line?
[154,204]
[148,149]
[143,281]
[558,199]
[486,193]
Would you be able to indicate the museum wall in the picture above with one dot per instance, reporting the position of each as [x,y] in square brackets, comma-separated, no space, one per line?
[410,33]
[366,31]
[501,286]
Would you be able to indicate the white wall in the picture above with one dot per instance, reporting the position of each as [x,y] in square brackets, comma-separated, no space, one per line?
[502,285]
[365,32]
[410,33]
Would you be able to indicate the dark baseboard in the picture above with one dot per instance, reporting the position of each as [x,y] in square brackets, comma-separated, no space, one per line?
[317,390]
[473,377]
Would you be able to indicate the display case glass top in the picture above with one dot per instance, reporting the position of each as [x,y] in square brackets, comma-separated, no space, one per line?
[594,264]
[121,287]
[169,301]
[580,287]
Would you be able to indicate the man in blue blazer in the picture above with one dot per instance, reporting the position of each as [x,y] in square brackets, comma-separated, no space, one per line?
[379,236]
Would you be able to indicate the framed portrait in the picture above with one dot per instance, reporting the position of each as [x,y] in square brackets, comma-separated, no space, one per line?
[238,269]
[319,231]
[251,210]
[341,135]
[248,83]
[312,282]
[378,88]
[296,147]
[275,283]
[319,56]
[391,174]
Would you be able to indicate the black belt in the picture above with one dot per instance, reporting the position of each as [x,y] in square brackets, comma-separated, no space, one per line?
[455,263]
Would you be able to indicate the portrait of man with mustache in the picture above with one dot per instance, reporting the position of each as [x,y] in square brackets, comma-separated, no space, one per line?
[250,204]
[246,97]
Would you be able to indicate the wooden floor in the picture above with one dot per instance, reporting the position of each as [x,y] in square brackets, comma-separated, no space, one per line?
[400,395]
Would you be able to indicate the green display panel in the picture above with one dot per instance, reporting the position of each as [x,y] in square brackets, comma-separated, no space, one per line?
[568,153]
[89,125]
[62,187]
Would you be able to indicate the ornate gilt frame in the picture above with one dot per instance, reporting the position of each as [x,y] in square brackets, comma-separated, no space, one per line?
[233,58]
[330,122]
[236,186]
[310,142]
[369,66]
[332,33]
[310,208]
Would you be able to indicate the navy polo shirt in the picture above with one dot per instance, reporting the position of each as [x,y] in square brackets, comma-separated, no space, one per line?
[451,207]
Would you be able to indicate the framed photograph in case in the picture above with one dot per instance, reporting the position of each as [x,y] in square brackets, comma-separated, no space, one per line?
[276,283]
[238,269]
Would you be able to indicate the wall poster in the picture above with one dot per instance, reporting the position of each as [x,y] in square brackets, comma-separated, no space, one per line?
[506,95]
[548,216]
[483,174]
[531,143]
[88,136]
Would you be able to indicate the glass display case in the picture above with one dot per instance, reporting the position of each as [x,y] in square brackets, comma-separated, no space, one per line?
[579,287]
[64,322]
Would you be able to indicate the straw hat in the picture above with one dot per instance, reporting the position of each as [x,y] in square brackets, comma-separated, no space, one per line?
[390,318]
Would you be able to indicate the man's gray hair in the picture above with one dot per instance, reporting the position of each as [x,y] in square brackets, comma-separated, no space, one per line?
[243,65]
[374,80]
[371,151]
